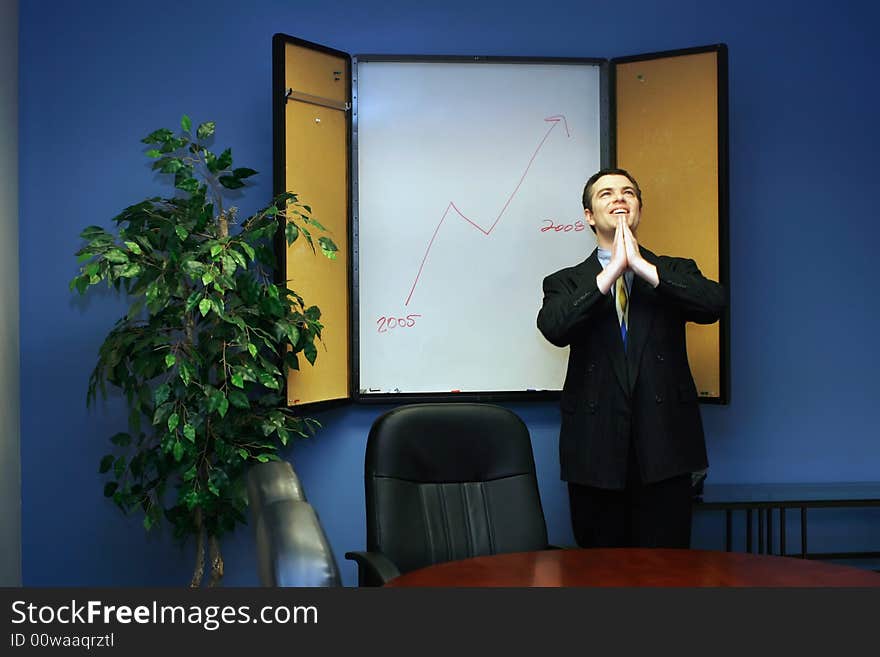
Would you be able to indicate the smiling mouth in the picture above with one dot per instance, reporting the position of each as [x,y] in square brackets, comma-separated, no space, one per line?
[620,211]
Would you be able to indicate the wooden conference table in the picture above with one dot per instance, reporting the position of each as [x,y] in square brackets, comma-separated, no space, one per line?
[626,567]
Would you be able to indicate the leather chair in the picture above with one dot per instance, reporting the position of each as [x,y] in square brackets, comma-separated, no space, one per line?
[292,549]
[445,482]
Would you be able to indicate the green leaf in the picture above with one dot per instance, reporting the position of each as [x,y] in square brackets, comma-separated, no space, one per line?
[121,439]
[189,432]
[193,268]
[186,123]
[262,458]
[193,300]
[106,463]
[239,259]
[110,488]
[328,248]
[161,413]
[186,372]
[243,453]
[239,399]
[82,283]
[311,352]
[205,306]
[170,359]
[162,392]
[214,396]
[191,499]
[223,406]
[291,232]
[252,349]
[229,264]
[154,153]
[291,331]
[177,450]
[230,182]
[267,380]
[91,232]
[116,256]
[315,222]
[237,380]
[134,247]
[243,172]
[225,160]
[211,161]
[173,421]
[119,467]
[205,129]
[216,249]
[129,271]
[137,464]
[208,277]
[158,136]
[172,165]
[181,232]
[249,250]
[190,185]
[149,522]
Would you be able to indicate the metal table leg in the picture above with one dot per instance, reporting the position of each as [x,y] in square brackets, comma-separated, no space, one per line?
[748,530]
[782,531]
[803,532]
[728,531]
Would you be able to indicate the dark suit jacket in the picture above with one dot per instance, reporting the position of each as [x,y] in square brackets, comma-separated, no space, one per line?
[645,396]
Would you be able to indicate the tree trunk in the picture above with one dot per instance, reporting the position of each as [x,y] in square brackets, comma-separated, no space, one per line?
[216,561]
[199,571]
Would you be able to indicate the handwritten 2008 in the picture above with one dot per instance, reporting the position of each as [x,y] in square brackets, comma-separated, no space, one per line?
[550,225]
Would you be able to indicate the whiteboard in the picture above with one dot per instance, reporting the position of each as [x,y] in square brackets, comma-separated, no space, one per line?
[468,193]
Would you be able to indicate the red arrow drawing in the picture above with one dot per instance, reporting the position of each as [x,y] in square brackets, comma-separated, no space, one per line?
[554,120]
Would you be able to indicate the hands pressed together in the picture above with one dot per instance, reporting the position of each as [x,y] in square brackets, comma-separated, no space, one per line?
[625,256]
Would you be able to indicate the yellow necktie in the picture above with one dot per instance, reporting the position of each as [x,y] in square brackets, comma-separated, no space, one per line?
[620,294]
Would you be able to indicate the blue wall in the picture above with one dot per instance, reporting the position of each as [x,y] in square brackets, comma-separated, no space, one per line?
[96,75]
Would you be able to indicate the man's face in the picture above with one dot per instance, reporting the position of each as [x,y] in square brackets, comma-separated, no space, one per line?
[613,196]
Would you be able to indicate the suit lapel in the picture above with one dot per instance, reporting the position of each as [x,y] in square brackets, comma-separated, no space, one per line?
[608,328]
[641,316]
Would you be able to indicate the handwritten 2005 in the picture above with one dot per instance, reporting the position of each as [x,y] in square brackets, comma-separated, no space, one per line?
[385,324]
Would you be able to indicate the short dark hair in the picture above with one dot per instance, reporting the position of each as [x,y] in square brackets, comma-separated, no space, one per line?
[588,188]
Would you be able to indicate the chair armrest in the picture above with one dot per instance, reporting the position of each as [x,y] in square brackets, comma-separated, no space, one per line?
[374,568]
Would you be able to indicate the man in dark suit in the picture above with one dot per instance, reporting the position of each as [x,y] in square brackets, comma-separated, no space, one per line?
[631,431]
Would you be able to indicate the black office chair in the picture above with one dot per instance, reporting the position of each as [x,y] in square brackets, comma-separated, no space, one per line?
[446,482]
[292,549]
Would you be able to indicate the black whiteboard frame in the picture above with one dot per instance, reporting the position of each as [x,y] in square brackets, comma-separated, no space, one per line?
[605,157]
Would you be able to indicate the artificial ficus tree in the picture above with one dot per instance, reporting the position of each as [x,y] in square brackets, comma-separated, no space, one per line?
[203,353]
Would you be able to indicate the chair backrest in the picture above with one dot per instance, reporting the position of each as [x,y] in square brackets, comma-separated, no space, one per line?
[292,549]
[451,481]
